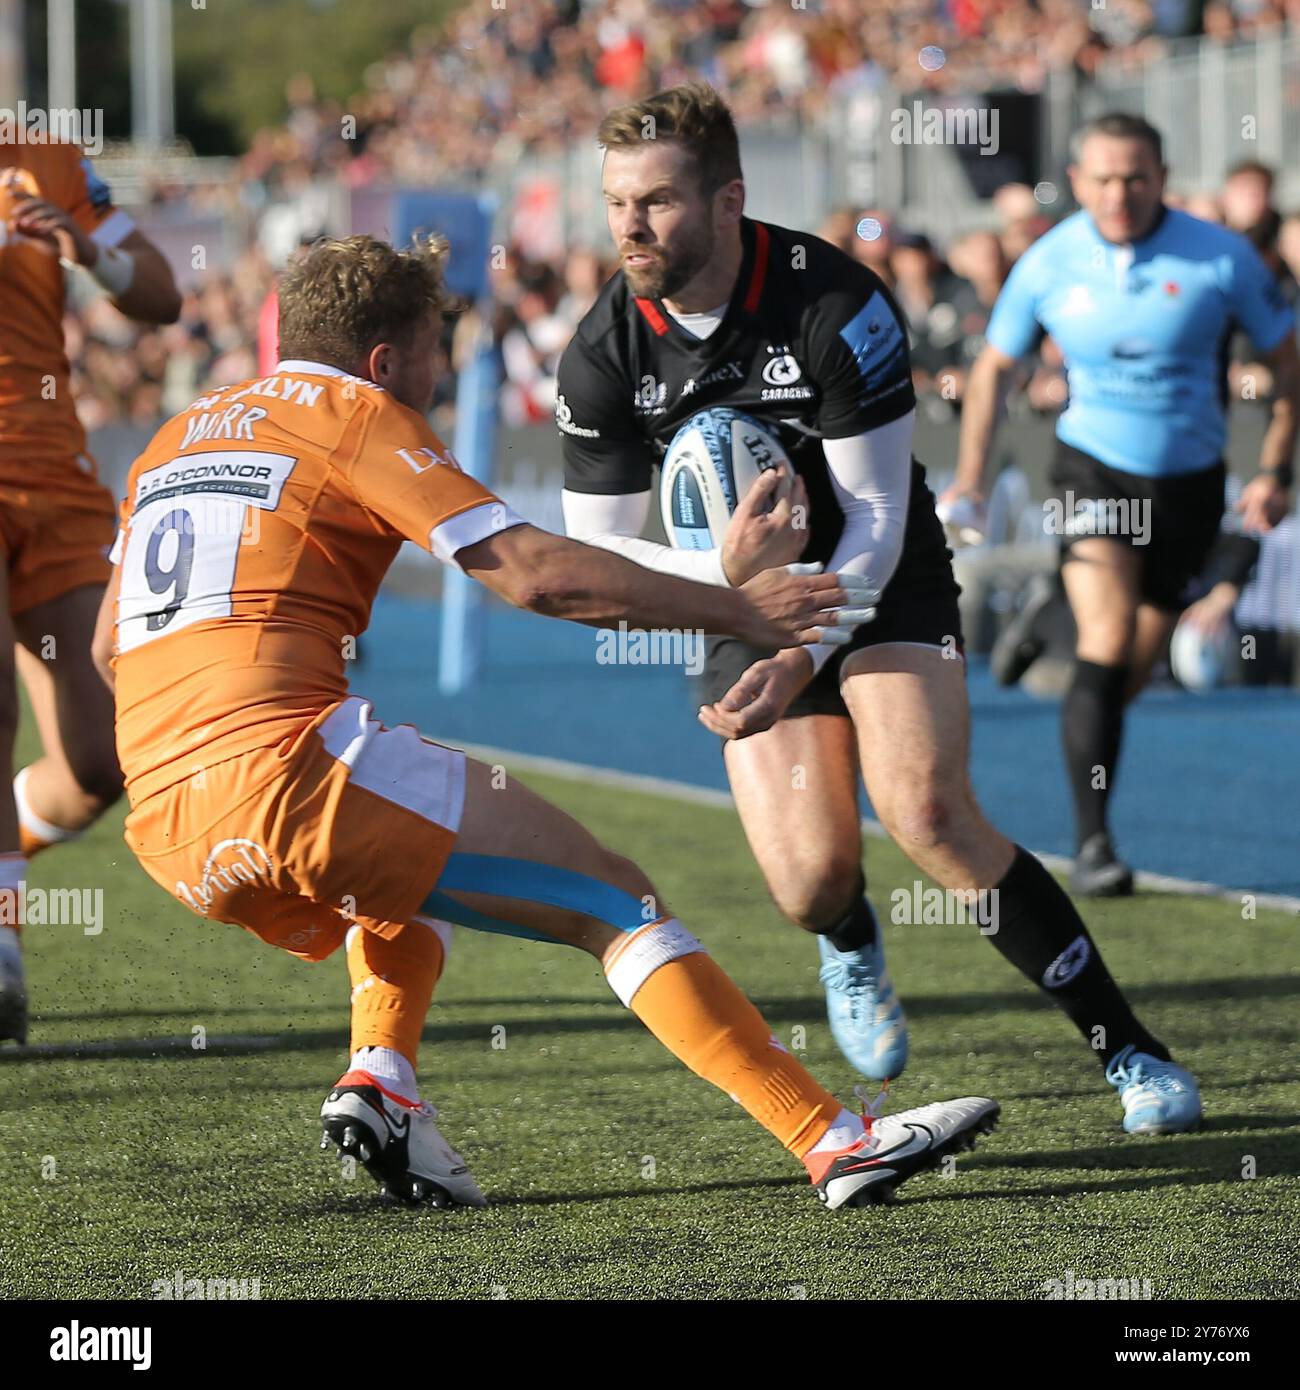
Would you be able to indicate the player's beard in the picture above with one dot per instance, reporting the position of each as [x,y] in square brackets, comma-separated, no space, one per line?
[673,271]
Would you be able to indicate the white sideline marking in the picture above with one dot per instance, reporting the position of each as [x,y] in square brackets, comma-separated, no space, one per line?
[708,796]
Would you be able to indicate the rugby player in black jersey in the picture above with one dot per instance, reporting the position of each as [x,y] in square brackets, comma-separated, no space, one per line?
[712,308]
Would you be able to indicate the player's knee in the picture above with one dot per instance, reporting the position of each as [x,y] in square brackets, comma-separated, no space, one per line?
[1106,641]
[623,874]
[819,898]
[927,819]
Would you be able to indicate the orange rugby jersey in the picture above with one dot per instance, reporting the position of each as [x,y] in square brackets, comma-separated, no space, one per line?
[256,530]
[38,418]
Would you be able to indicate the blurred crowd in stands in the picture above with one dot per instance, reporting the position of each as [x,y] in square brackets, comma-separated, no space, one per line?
[946,292]
[125,374]
[500,83]
[504,81]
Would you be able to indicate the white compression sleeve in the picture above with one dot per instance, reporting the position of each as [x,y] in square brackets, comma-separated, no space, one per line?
[615,522]
[872,477]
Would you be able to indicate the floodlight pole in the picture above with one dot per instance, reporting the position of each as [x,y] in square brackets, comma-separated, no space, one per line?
[153,117]
[12,54]
[61,69]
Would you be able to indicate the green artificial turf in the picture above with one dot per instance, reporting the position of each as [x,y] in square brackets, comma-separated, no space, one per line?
[132,1154]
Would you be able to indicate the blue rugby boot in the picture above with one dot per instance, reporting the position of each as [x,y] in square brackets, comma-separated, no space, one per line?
[1158,1097]
[865,1016]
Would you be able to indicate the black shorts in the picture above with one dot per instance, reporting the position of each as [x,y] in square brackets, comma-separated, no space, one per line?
[919,605]
[1172,523]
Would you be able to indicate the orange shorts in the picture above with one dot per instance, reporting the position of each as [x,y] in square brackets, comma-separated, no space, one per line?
[351,825]
[56,529]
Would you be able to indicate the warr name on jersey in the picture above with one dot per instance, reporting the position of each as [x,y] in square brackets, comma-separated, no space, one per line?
[235,422]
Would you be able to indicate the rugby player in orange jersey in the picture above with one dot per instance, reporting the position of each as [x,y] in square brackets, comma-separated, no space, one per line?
[256,530]
[56,519]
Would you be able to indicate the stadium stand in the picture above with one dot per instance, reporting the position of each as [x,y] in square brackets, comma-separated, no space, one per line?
[500,88]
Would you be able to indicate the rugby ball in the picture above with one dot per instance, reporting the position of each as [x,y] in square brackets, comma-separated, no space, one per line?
[1202,661]
[709,466]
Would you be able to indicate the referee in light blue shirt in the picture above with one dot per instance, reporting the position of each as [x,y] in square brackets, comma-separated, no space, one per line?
[1142,300]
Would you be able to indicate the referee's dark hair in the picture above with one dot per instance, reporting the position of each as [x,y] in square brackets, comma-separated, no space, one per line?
[1119,125]
[694,116]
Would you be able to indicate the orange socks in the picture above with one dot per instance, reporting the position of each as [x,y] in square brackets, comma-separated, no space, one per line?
[660,972]
[689,1003]
[392,984]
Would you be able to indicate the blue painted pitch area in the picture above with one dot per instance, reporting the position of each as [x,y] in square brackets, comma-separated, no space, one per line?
[1209,785]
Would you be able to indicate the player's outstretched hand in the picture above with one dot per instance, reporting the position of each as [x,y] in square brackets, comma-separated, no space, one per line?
[759,698]
[798,605]
[769,527]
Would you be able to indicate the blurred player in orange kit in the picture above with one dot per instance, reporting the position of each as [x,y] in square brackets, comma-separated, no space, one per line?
[56,520]
[257,528]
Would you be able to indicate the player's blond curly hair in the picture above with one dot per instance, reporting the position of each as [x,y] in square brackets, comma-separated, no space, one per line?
[347,295]
[694,116]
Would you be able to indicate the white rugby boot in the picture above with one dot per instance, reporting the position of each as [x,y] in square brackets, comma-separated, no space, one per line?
[894,1147]
[398,1142]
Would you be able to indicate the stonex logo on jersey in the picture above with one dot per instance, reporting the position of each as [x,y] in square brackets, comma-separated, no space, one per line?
[729,371]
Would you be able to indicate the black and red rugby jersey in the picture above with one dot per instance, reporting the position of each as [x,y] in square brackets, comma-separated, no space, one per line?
[812,344]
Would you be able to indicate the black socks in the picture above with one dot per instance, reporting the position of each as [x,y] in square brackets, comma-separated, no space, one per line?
[1092,718]
[1041,934]
[857,928]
